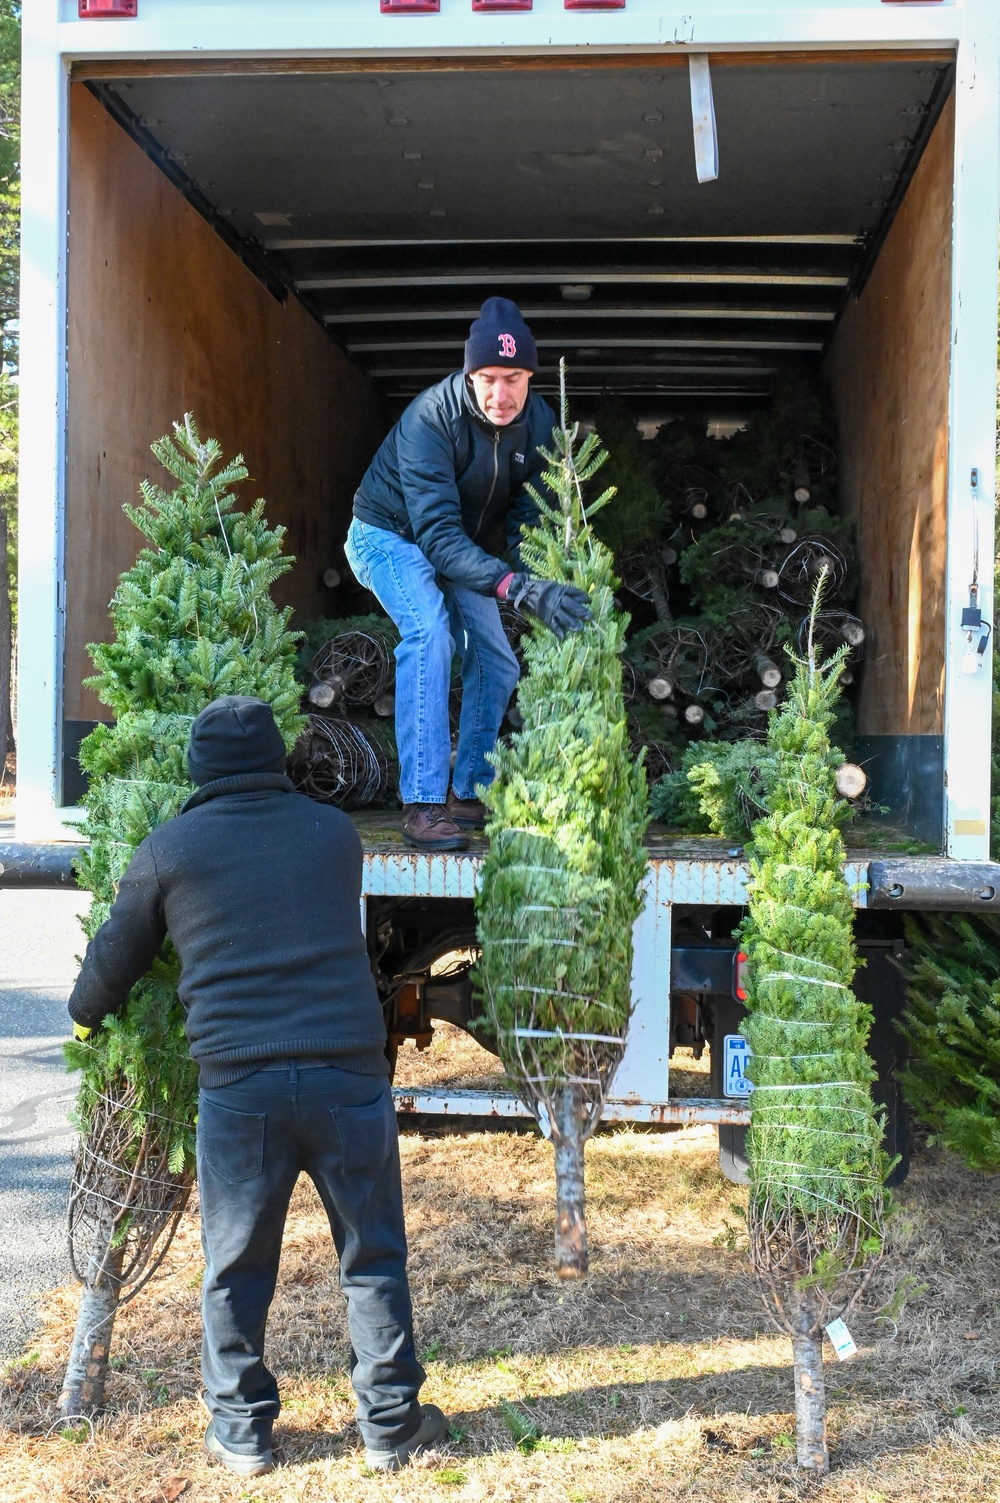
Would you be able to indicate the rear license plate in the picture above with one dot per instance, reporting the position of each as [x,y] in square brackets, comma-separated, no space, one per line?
[734,1077]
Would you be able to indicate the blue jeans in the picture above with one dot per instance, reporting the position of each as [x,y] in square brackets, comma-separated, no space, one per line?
[254,1139]
[433,616]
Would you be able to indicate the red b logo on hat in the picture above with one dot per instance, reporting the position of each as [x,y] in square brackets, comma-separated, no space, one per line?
[508,349]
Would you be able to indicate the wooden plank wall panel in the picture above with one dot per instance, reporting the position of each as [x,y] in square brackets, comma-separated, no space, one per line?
[889,371]
[165,319]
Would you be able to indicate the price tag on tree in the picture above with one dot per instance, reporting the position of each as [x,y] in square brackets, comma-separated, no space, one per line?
[841,1339]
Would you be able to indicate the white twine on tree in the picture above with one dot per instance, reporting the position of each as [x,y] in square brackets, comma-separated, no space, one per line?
[813,1085]
[559,1033]
[806,1170]
[802,959]
[806,980]
[830,1054]
[552,991]
[569,944]
[770,1017]
[826,1200]
[529,866]
[826,1132]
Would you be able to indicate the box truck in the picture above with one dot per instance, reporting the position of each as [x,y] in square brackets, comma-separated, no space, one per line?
[282,217]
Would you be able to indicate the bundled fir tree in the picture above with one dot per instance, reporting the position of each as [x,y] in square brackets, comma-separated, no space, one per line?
[816,1212]
[193,620]
[561,883]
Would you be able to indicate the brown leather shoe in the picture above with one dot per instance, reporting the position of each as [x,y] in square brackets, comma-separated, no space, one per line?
[428,827]
[467,813]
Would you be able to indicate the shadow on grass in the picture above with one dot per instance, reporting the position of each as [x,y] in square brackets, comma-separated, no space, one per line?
[598,1412]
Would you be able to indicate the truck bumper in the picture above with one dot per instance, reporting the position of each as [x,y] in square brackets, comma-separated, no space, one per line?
[29,865]
[934,884]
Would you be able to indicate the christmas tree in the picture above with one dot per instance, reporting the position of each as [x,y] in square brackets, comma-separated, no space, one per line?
[817,1168]
[193,620]
[561,883]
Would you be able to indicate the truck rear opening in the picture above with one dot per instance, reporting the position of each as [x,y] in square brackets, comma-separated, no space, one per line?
[294,249]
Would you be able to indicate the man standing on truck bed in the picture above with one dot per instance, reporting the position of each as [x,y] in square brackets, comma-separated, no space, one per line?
[450,477]
[260,889]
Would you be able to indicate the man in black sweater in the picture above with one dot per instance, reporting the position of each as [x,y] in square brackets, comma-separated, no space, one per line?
[260,888]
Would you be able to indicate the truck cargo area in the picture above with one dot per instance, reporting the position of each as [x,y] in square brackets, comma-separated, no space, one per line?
[292,250]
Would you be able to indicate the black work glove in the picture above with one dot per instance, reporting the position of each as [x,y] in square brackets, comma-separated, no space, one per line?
[562,607]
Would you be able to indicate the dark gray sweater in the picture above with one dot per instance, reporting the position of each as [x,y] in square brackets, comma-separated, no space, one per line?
[260,890]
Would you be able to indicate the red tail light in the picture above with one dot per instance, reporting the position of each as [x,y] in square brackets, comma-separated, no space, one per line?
[92,10]
[411,7]
[594,4]
[740,976]
[501,4]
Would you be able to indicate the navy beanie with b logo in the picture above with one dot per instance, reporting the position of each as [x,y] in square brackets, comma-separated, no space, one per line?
[500,336]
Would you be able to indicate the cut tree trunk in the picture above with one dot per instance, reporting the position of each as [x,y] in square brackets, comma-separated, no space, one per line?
[767,670]
[802,481]
[851,780]
[572,1257]
[810,1390]
[87,1368]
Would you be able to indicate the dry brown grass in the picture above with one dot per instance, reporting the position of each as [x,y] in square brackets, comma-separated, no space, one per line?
[655,1379]
[454,1061]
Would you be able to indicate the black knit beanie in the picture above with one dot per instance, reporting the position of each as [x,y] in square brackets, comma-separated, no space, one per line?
[500,336]
[234,735]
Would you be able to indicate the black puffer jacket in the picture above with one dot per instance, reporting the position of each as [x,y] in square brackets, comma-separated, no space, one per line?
[446,479]
[260,890]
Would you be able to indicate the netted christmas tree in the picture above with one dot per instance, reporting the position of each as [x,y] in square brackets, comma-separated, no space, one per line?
[816,1200]
[561,883]
[193,620]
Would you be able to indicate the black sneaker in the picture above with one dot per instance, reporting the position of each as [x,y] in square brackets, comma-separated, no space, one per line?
[433,1427]
[429,827]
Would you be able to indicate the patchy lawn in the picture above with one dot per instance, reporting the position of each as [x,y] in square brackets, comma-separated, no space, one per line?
[657,1378]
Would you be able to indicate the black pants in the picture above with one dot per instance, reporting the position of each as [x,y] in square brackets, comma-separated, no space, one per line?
[254,1139]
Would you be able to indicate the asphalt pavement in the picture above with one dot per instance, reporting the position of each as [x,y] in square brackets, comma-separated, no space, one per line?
[40,936]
